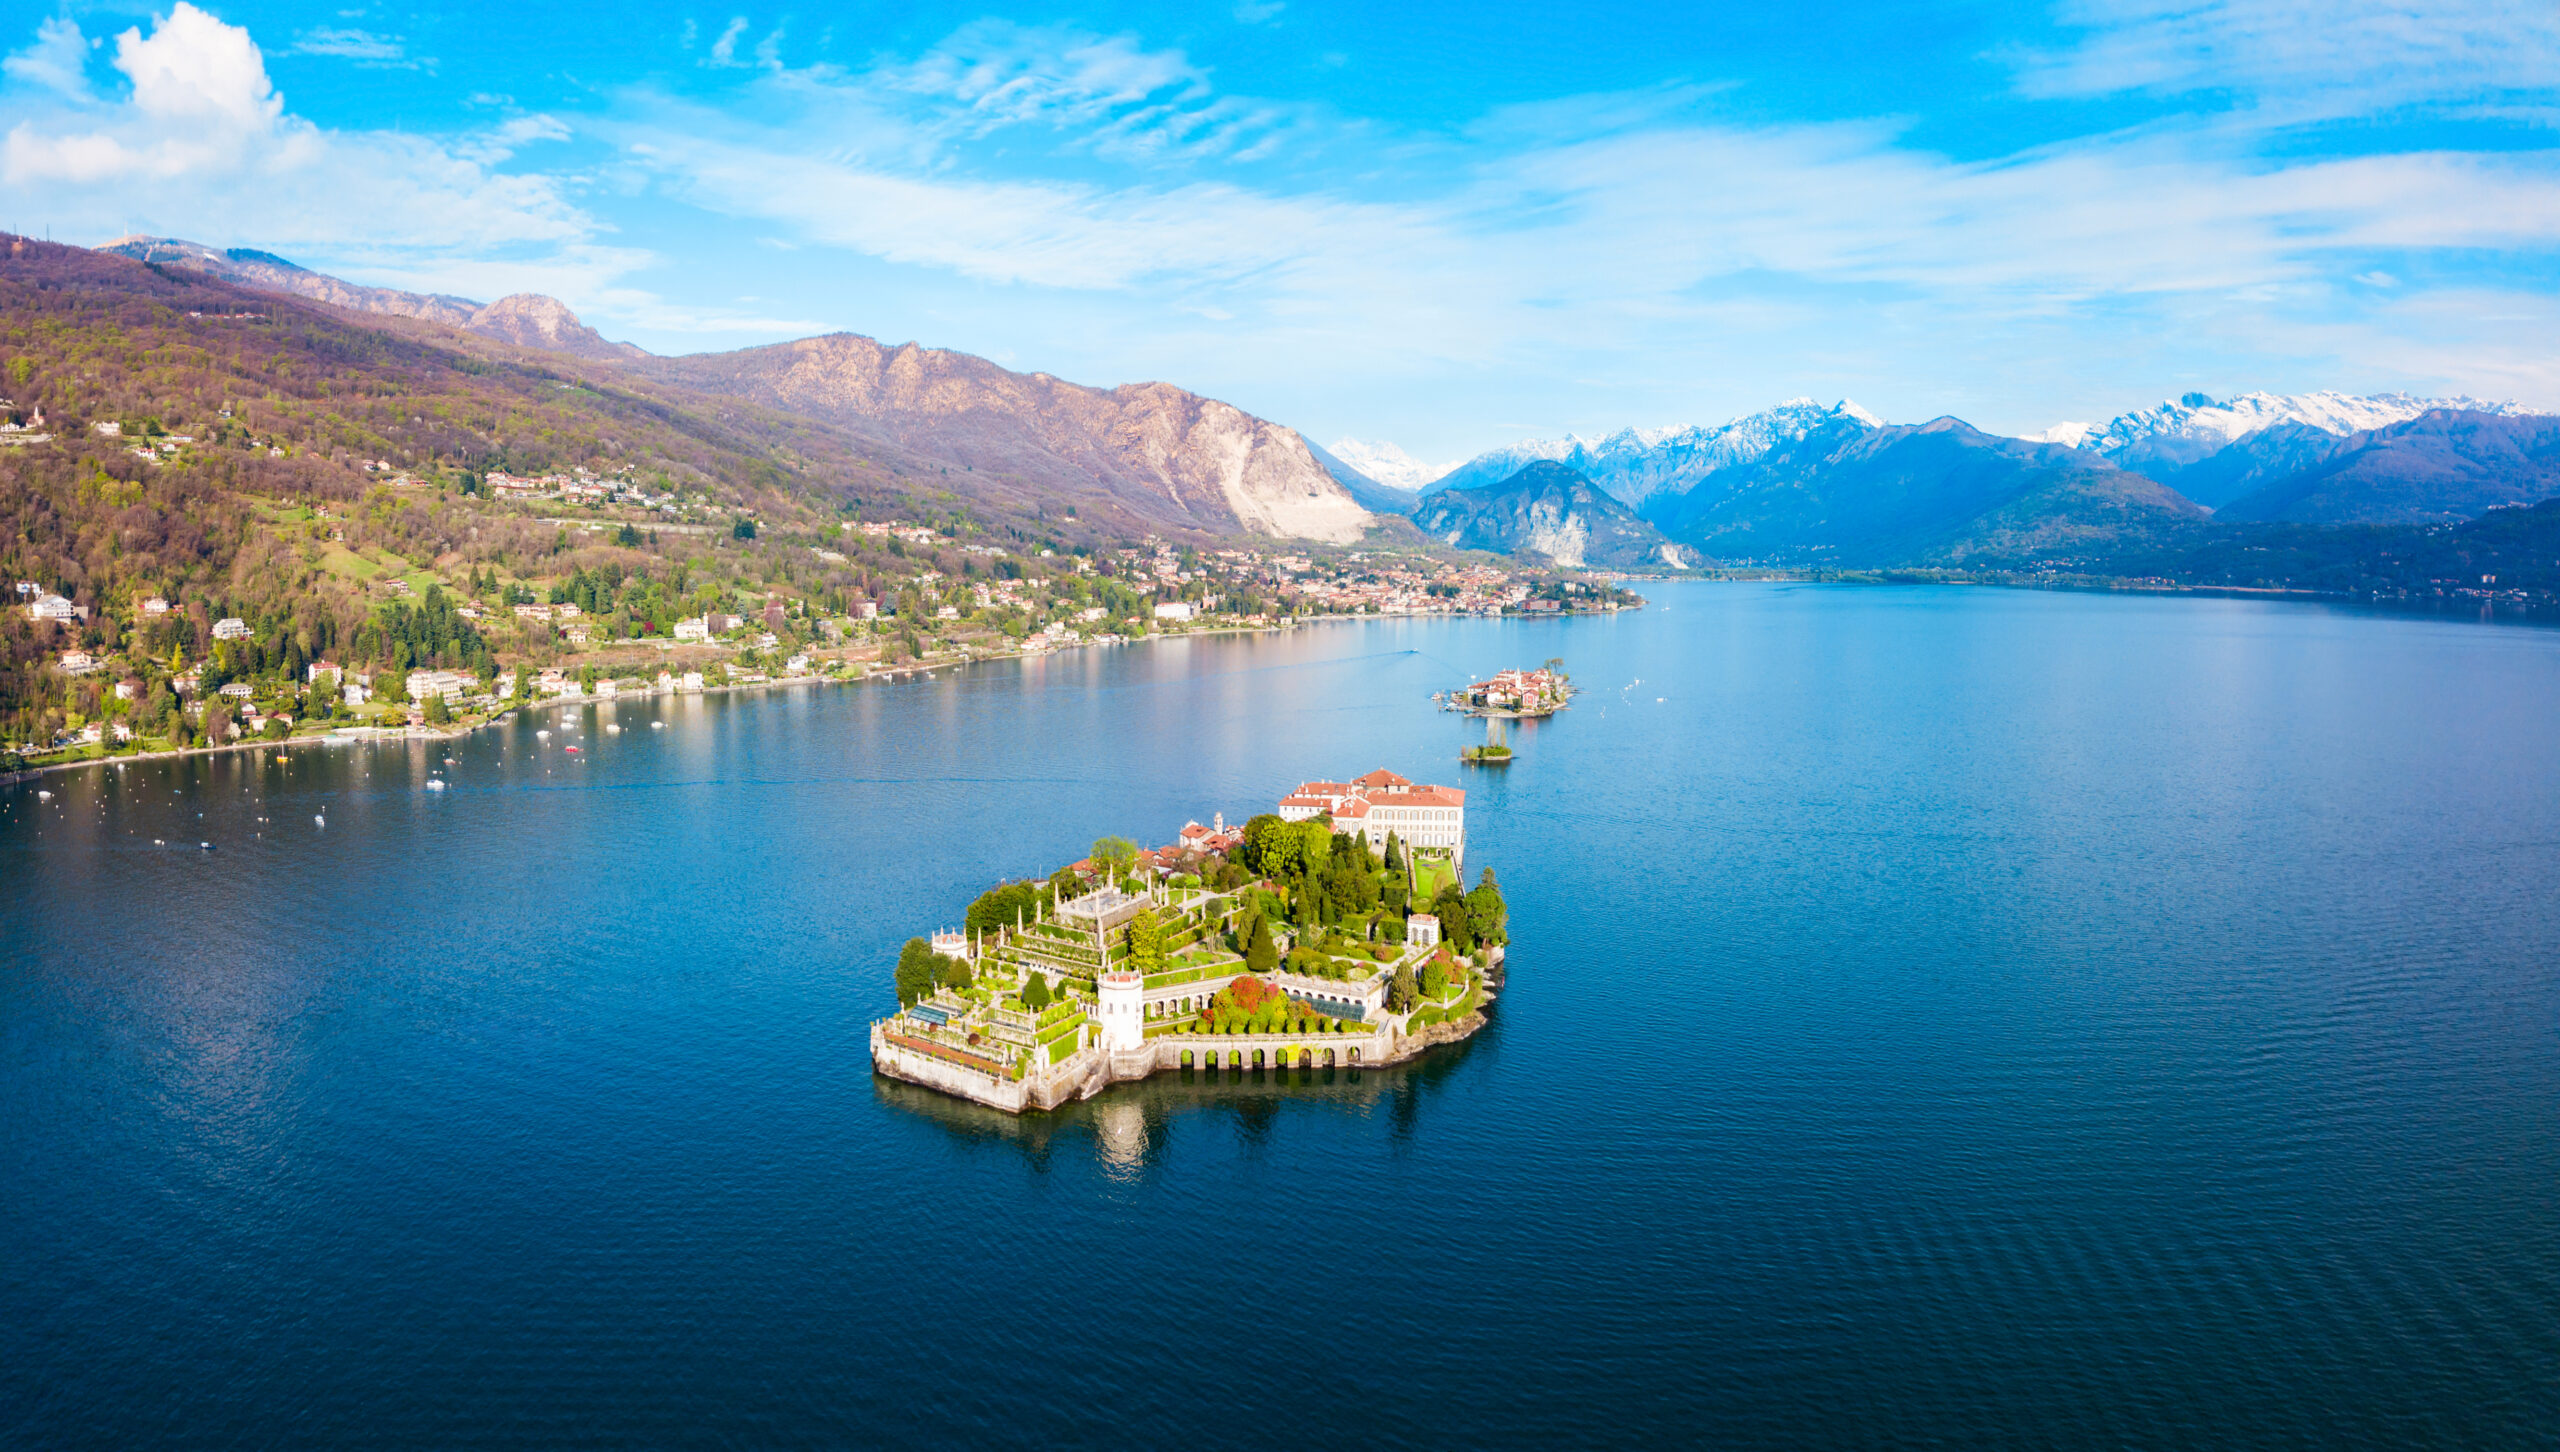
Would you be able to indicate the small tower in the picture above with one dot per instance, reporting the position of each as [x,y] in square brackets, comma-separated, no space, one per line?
[1122,1009]
[1422,930]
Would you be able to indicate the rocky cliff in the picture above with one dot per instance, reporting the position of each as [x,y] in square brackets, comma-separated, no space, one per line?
[1147,452]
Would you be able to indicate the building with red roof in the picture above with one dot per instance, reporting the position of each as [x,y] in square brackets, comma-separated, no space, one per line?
[1432,818]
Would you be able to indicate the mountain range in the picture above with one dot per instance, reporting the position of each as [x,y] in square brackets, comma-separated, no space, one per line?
[1636,465]
[1799,482]
[1034,443]
[1548,509]
[1140,457]
[526,319]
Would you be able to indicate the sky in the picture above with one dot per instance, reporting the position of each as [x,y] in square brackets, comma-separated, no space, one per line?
[1448,226]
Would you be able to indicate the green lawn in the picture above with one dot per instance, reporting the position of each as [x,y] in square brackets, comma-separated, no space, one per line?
[1428,874]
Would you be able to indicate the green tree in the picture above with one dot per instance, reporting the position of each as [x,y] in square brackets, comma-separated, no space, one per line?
[437,714]
[915,975]
[1035,991]
[1457,922]
[1146,943]
[1486,913]
[1001,907]
[1395,854]
[1065,886]
[1254,851]
[1435,978]
[1260,956]
[1114,856]
[1402,994]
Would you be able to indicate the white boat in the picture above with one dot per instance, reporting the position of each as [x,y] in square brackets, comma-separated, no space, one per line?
[435,784]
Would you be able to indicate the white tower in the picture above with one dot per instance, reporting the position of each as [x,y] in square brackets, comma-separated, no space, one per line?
[1422,930]
[1122,1009]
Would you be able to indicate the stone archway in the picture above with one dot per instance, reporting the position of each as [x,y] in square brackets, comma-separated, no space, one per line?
[1328,1058]
[1186,1058]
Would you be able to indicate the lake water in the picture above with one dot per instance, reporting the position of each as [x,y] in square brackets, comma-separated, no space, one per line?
[1935,1015]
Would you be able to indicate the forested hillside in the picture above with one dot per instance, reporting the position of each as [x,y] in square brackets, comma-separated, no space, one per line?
[240,455]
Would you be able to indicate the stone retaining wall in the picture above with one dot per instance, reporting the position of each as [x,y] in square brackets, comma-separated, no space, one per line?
[1089,1071]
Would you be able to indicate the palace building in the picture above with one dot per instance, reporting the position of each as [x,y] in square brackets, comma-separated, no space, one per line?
[1433,818]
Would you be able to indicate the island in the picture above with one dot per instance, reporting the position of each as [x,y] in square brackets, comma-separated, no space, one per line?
[1515,695]
[1335,931]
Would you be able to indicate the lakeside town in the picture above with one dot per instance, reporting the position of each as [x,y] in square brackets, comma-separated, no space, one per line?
[458,641]
[1333,932]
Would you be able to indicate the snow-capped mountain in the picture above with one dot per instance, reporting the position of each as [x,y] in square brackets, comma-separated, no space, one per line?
[1387,464]
[1634,465]
[2186,430]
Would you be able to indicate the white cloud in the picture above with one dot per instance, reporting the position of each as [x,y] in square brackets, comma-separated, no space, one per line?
[724,51]
[1110,94]
[366,49]
[196,69]
[2310,58]
[200,97]
[1632,239]
[56,62]
[204,130]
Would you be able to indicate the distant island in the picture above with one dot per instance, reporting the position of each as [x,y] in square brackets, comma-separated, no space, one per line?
[1333,932]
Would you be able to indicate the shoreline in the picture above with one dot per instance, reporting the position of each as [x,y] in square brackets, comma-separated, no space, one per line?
[870,672]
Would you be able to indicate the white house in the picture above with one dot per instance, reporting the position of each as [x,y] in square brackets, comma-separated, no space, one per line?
[54,607]
[231,627]
[697,628]
[1431,817]
[448,684]
[78,662]
[1175,610]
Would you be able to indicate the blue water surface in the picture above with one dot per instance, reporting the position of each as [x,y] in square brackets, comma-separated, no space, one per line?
[1936,1016]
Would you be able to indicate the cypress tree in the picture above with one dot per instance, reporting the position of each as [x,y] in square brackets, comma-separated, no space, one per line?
[1260,956]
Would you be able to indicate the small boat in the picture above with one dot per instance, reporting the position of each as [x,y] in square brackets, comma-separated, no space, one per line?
[320,822]
[44,796]
[542,735]
[612,730]
[204,846]
[657,725]
[573,751]
[437,784]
